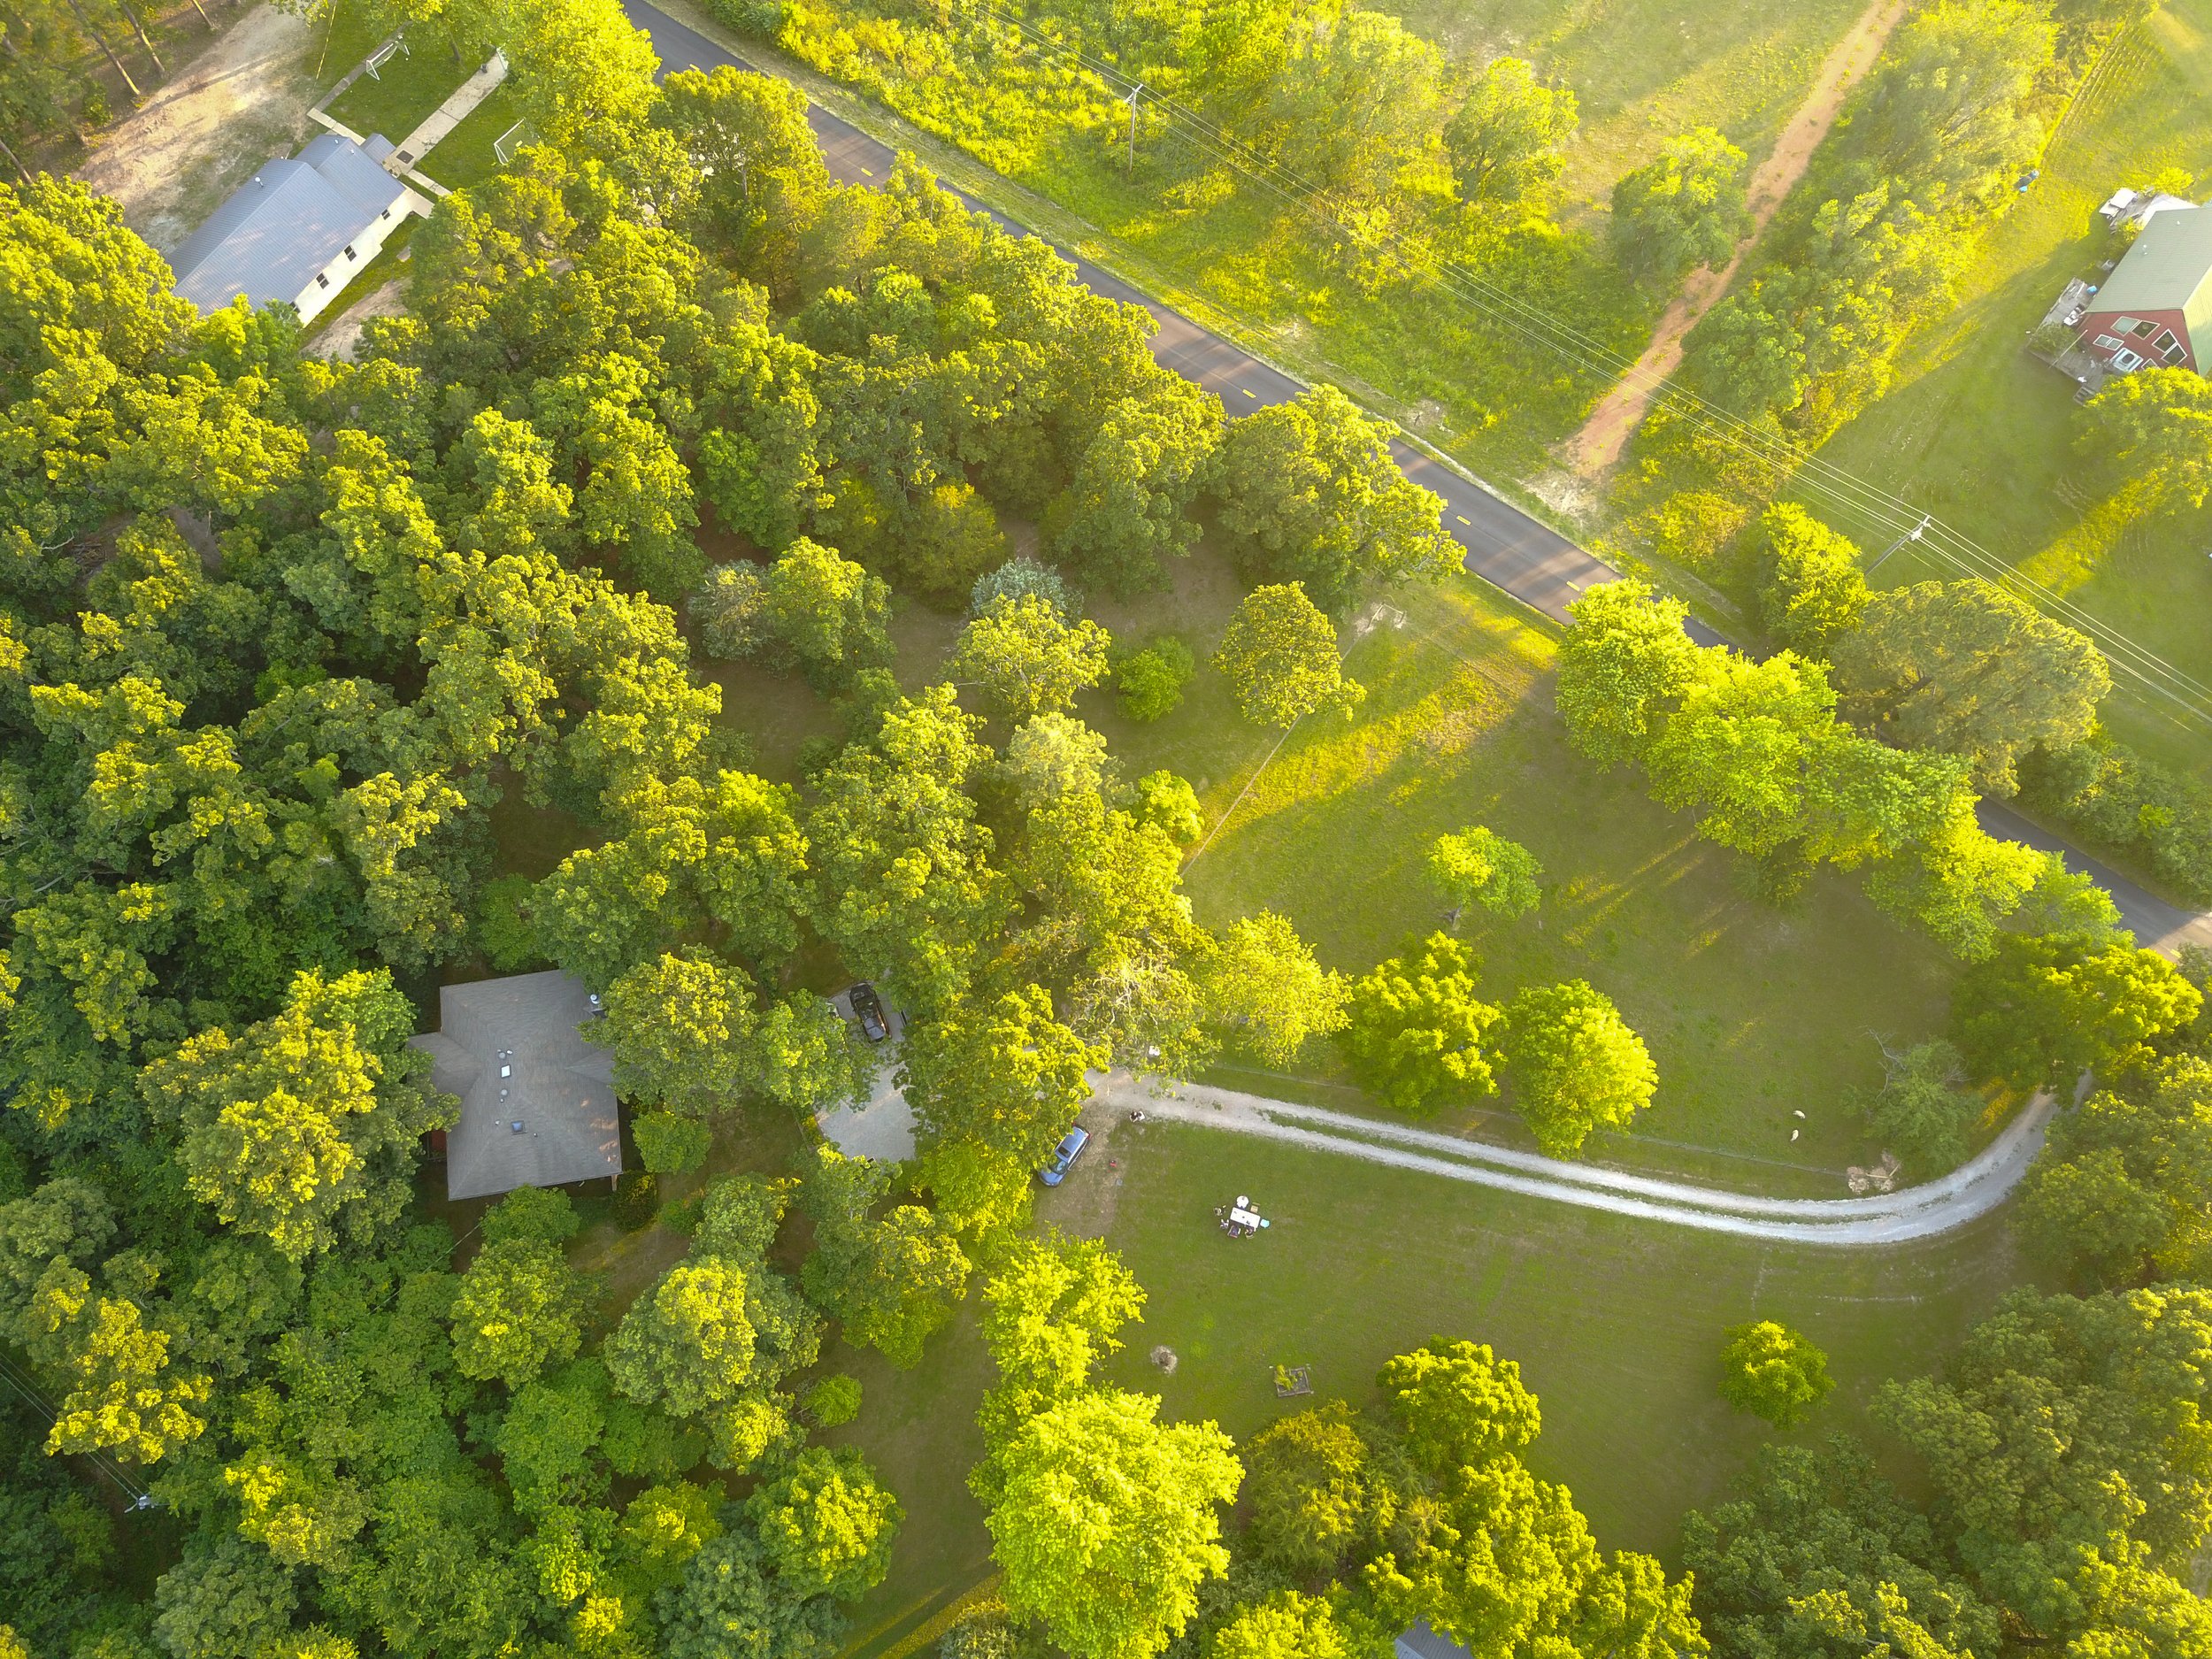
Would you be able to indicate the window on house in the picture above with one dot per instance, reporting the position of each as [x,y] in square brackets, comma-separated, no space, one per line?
[2165,340]
[2126,325]
[386,214]
[349,252]
[2147,328]
[2176,352]
[321,281]
[2107,343]
[2126,362]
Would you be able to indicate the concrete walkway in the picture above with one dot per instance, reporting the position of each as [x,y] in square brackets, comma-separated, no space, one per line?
[1969,1193]
[449,115]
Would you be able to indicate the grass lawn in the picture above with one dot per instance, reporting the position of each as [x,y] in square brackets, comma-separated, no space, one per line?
[1647,69]
[1983,435]
[1752,1012]
[1616,1325]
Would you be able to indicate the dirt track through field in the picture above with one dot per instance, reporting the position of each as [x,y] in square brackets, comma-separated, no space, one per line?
[197,138]
[1969,1193]
[1598,445]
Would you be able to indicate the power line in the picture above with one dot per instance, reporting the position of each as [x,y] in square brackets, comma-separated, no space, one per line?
[1843,492]
[140,1498]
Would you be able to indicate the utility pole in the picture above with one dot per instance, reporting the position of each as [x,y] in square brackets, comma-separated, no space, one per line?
[1134,91]
[1913,534]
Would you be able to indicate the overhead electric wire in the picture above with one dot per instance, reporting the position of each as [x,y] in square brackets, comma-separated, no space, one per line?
[140,1498]
[1844,492]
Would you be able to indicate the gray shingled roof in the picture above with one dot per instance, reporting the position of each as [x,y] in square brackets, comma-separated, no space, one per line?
[285,224]
[558,1087]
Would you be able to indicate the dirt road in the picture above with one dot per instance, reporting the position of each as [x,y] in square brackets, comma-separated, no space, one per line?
[1598,445]
[1969,1193]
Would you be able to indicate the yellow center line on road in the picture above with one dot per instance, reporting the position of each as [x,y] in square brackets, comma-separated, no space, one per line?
[1463,520]
[1247,391]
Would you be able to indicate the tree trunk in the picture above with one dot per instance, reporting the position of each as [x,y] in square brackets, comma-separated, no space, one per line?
[100,40]
[160,68]
[202,10]
[14,162]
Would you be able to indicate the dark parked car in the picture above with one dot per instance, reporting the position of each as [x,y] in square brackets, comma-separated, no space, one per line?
[1063,1156]
[868,1010]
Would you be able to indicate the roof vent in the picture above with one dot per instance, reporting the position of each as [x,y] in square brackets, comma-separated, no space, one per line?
[515,1127]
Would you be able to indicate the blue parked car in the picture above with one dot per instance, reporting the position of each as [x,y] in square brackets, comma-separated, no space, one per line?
[1063,1156]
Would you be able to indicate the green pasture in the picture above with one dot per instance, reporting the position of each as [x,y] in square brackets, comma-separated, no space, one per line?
[1985,436]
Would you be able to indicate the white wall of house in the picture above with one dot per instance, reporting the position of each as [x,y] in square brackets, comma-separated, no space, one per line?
[331,281]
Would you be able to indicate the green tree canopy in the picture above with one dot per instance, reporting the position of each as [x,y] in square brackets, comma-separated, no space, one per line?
[1479,866]
[1811,590]
[1280,656]
[1968,669]
[2152,431]
[1575,1064]
[1505,139]
[1683,208]
[1107,1525]
[892,1279]
[1773,1372]
[1459,1404]
[1026,660]
[1310,496]
[519,1308]
[1415,1031]
[2046,1007]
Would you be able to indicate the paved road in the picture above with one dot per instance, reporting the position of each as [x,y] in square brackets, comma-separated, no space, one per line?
[1529,559]
[1966,1194]
[1505,546]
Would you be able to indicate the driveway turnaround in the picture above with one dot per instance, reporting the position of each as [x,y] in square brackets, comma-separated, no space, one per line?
[1969,1193]
[1504,546]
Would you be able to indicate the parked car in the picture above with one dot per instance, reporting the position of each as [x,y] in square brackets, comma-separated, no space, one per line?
[868,1010]
[1063,1156]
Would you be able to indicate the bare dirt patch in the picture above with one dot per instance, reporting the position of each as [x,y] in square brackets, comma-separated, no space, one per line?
[338,342]
[241,100]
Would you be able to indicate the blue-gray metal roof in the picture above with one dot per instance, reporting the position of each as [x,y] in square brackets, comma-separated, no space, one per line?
[283,225]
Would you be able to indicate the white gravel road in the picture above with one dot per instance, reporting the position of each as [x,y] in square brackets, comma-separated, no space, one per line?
[1969,1193]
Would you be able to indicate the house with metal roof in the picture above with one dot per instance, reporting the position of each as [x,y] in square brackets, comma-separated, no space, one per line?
[537,1099]
[299,229]
[2155,310]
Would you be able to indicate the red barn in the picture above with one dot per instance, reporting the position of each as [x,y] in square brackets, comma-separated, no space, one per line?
[2156,309]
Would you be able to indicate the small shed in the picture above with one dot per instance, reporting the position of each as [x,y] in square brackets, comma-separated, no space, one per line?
[537,1100]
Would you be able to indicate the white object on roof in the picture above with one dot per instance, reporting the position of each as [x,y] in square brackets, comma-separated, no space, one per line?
[300,229]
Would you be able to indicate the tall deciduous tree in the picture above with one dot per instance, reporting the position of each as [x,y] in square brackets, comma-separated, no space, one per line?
[1128,505]
[1106,1523]
[1685,207]
[994,1086]
[1624,662]
[1280,654]
[1309,494]
[1479,866]
[1811,591]
[1027,660]
[1416,1032]
[825,1526]
[1268,992]
[1505,139]
[891,1278]
[1575,1064]
[2043,1008]
[304,1127]
[1967,669]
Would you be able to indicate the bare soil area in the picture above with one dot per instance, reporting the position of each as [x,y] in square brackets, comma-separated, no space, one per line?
[241,100]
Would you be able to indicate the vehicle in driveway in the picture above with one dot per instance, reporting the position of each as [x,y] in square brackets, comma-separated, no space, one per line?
[1063,1156]
[868,1010]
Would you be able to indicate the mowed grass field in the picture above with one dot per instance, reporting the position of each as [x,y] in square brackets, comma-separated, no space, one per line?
[1644,71]
[1984,435]
[1753,1012]
[1617,1325]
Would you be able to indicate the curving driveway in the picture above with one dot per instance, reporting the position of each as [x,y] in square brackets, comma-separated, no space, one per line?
[1969,1193]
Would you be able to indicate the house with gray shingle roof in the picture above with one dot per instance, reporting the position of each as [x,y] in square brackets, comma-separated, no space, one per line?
[299,229]
[537,1099]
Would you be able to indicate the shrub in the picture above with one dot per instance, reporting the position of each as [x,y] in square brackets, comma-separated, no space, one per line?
[637,1199]
[833,1401]
[1020,576]
[1151,681]
[2124,803]
[670,1143]
[1772,1373]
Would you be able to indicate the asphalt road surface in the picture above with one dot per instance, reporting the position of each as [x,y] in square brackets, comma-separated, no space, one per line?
[1529,559]
[1505,546]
